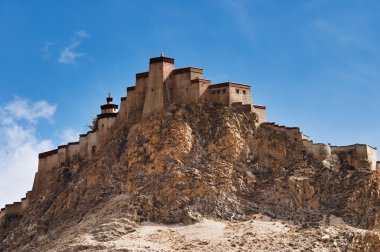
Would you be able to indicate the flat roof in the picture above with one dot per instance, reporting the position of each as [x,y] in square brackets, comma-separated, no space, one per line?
[48,153]
[188,69]
[230,84]
[161,59]
[142,75]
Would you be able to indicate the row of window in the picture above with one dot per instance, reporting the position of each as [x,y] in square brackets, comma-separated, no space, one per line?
[225,90]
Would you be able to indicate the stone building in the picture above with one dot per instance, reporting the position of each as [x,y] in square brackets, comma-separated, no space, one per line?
[155,90]
[163,85]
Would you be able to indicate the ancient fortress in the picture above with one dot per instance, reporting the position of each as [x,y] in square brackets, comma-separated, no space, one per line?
[154,91]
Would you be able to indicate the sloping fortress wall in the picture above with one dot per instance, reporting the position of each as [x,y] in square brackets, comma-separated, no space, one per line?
[155,90]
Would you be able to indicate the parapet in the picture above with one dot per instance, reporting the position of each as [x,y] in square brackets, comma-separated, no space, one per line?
[13,209]
[362,156]
[161,59]
[48,153]
[131,88]
[142,75]
[230,84]
[261,112]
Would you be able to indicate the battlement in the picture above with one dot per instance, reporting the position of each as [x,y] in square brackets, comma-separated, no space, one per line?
[361,156]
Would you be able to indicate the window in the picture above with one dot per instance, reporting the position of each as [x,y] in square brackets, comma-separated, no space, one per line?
[213,92]
[219,91]
[152,89]
[243,91]
[93,149]
[237,91]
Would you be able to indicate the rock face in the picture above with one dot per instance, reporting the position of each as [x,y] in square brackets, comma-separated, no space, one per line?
[195,161]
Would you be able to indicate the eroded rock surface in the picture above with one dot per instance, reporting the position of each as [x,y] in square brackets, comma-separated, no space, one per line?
[195,162]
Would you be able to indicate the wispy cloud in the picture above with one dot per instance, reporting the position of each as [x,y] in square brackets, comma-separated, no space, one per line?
[69,54]
[22,109]
[68,135]
[46,50]
[239,13]
[19,146]
[343,36]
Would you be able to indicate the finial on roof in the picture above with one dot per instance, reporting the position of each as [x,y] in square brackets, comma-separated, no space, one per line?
[109,95]
[162,54]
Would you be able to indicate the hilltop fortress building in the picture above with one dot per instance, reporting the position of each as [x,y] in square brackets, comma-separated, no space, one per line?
[154,91]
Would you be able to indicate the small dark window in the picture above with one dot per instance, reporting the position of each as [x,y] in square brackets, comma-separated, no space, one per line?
[93,149]
[103,126]
[152,89]
[237,91]
[187,89]
[218,91]
[224,90]
[243,91]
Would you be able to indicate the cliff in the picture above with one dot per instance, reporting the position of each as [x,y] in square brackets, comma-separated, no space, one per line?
[191,163]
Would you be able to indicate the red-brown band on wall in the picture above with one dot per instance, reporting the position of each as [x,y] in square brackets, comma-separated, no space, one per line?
[259,106]
[161,59]
[48,153]
[230,84]
[188,70]
[142,75]
[107,115]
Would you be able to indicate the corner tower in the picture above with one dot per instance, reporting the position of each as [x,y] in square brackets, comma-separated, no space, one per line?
[157,91]
[106,118]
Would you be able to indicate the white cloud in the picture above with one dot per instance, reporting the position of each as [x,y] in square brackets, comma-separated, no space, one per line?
[19,146]
[23,109]
[69,55]
[68,135]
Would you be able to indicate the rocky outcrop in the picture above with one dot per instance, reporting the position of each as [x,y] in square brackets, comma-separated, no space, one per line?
[195,161]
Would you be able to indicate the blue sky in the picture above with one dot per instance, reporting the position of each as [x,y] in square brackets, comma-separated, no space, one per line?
[313,63]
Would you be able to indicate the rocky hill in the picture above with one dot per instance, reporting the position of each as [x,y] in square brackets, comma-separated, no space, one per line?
[203,177]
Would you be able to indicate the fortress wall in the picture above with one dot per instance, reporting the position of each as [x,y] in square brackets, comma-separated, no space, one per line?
[141,89]
[183,89]
[240,93]
[159,70]
[92,143]
[293,133]
[219,95]
[319,151]
[2,214]
[261,112]
[46,163]
[48,160]
[135,102]
[131,107]
[122,114]
[180,87]
[305,137]
[198,90]
[24,203]
[372,157]
[361,156]
[62,154]
[104,125]
[13,209]
[83,145]
[73,150]
[203,87]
